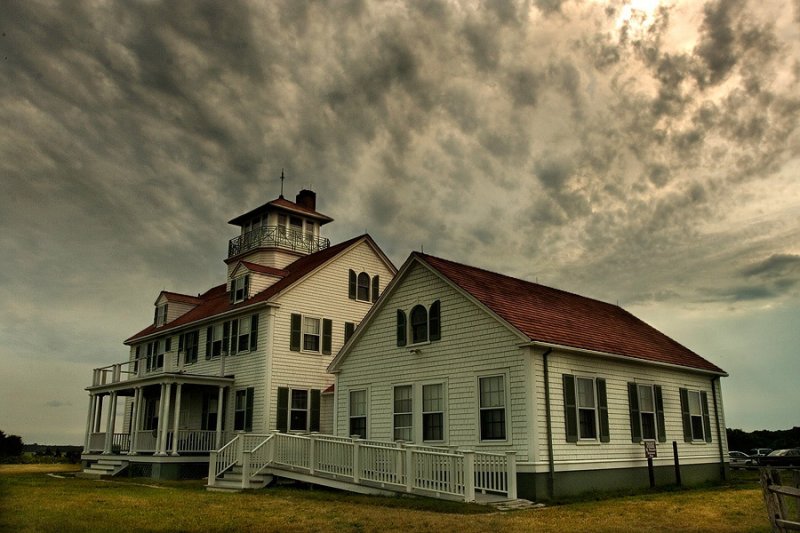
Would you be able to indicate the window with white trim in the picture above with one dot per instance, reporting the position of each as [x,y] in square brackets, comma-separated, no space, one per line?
[587,408]
[696,414]
[647,411]
[362,287]
[243,410]
[492,395]
[188,344]
[217,340]
[403,413]
[433,412]
[239,288]
[358,413]
[160,315]
[423,325]
[311,334]
[298,410]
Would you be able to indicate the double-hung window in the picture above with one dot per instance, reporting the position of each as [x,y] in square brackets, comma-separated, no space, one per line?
[419,324]
[243,410]
[585,409]
[239,288]
[311,334]
[210,411]
[217,340]
[646,412]
[358,413]
[403,413]
[188,344]
[695,414]
[433,412]
[155,354]
[492,393]
[161,314]
[244,334]
[298,409]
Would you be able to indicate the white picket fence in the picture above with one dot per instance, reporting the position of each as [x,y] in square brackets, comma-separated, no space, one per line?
[425,470]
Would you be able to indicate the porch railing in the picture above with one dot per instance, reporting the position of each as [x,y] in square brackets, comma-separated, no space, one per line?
[279,236]
[169,362]
[189,441]
[441,472]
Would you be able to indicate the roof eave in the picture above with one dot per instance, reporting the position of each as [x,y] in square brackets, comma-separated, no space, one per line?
[626,358]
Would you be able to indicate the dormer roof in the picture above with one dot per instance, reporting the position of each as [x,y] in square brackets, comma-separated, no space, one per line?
[179,298]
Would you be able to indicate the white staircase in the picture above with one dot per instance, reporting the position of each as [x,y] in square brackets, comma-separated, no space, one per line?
[231,481]
[103,468]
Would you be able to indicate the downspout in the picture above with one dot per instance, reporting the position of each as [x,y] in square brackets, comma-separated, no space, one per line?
[550,459]
[719,430]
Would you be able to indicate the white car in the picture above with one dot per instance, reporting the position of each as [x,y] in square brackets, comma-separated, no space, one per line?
[739,460]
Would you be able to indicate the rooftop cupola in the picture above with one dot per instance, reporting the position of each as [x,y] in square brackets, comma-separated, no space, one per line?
[279,231]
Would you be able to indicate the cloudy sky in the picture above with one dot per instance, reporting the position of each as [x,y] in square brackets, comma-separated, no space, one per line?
[643,152]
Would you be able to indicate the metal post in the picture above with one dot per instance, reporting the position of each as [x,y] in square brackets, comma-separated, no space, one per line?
[469,476]
[650,472]
[677,463]
[511,472]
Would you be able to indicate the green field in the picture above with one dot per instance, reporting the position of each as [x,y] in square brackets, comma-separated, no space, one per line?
[33,500]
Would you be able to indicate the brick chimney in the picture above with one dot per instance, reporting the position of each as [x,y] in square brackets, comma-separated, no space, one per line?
[307,199]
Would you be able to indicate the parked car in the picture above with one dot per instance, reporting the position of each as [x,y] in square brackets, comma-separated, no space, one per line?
[759,452]
[739,459]
[785,457]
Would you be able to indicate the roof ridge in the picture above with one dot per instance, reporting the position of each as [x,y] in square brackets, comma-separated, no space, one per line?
[494,273]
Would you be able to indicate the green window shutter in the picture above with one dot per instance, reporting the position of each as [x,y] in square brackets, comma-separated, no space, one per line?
[282,420]
[314,412]
[232,293]
[155,316]
[602,408]
[226,336]
[166,308]
[434,322]
[349,328]
[376,287]
[706,417]
[660,423]
[294,340]
[570,408]
[351,291]
[208,342]
[246,286]
[401,328]
[633,406]
[253,332]
[248,414]
[180,342]
[327,334]
[685,415]
[234,336]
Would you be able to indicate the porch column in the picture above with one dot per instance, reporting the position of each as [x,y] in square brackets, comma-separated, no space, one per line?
[89,422]
[134,429]
[98,413]
[220,398]
[176,415]
[164,424]
[111,419]
[160,427]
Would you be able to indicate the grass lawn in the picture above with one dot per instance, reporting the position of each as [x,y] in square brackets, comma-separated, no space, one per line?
[33,500]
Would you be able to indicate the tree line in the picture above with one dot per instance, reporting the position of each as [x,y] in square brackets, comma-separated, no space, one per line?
[745,441]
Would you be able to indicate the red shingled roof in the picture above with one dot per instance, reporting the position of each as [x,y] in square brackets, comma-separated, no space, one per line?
[285,204]
[181,298]
[216,301]
[255,267]
[554,316]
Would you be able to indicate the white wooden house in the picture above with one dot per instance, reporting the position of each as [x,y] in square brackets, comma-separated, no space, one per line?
[249,355]
[456,356]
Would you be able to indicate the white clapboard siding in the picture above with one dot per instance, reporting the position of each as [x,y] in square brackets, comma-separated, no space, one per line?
[323,294]
[472,344]
[621,450]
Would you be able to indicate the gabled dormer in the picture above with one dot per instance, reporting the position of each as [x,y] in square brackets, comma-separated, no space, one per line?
[171,305]
[248,279]
[278,232]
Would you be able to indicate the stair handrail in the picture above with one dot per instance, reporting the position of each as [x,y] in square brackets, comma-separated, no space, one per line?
[261,456]
[221,460]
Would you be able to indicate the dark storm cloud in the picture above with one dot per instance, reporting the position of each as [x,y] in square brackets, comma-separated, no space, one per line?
[777,265]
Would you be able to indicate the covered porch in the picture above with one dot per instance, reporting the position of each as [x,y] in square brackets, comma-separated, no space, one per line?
[164,415]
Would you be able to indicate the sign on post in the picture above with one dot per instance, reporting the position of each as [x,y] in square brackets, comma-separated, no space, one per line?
[650,449]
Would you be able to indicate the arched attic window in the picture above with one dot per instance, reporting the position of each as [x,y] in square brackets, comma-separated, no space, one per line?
[363,287]
[419,324]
